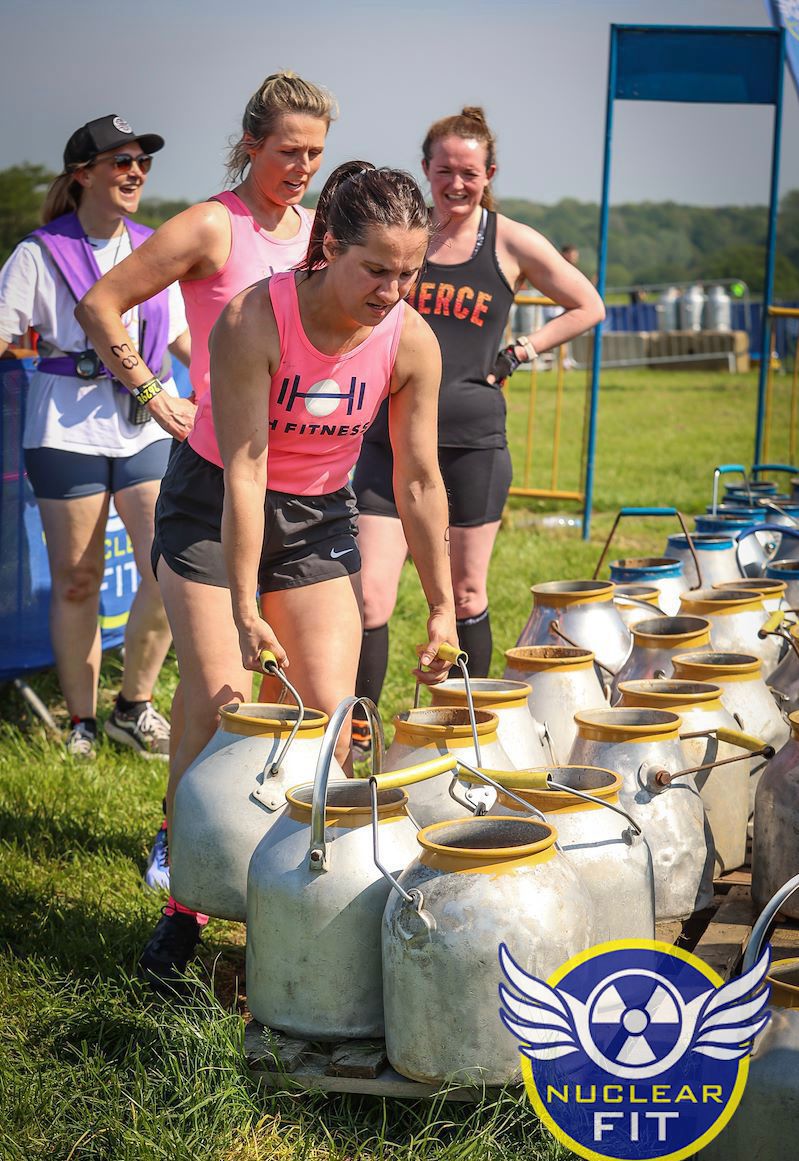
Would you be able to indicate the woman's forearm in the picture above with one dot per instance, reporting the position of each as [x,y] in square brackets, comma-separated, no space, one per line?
[423,510]
[242,542]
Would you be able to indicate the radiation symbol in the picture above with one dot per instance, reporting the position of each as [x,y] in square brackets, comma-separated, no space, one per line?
[636,1019]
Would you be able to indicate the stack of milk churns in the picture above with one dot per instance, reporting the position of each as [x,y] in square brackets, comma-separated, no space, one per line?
[644,727]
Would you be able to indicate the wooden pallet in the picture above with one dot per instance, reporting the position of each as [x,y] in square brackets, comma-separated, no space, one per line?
[718,935]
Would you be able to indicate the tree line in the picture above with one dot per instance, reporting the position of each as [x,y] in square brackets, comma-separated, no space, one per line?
[649,242]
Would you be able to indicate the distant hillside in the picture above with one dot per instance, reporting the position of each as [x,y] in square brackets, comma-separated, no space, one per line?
[649,241]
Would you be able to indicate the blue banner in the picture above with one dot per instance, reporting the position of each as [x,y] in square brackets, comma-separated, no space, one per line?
[24,571]
[785,14]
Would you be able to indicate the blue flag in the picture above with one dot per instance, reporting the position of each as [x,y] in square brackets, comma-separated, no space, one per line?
[785,14]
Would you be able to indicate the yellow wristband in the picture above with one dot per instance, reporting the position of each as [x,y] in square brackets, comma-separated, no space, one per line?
[147,391]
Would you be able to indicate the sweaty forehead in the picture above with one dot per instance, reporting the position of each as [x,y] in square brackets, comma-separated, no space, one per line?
[467,150]
[395,245]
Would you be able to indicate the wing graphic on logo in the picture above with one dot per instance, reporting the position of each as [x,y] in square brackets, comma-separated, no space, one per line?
[732,1016]
[545,1021]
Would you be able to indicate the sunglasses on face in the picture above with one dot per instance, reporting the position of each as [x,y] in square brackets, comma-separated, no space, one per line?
[125,162]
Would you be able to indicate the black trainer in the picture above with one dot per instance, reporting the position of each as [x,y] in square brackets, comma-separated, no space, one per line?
[168,951]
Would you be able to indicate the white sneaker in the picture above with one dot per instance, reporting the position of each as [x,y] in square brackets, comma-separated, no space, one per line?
[148,733]
[81,743]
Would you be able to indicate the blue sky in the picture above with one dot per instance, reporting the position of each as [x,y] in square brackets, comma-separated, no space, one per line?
[185,68]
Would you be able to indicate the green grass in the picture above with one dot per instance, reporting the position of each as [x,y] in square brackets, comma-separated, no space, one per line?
[90,1067]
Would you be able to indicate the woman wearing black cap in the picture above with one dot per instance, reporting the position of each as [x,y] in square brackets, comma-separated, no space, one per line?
[83,441]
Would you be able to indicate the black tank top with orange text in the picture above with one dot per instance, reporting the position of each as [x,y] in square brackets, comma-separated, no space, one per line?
[467,306]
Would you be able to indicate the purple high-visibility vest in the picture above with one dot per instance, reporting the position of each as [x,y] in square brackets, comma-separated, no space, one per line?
[64,239]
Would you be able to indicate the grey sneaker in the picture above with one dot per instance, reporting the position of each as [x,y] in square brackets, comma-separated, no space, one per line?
[148,733]
[81,743]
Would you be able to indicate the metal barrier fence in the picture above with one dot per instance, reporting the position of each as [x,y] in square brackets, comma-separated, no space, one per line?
[523,325]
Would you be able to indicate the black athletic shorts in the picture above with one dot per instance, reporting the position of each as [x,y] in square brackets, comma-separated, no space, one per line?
[307,539]
[477,482]
[56,474]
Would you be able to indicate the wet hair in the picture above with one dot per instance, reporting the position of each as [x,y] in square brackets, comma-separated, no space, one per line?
[471,125]
[357,196]
[62,197]
[280,93]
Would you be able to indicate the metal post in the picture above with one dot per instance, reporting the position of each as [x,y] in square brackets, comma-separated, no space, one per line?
[603,256]
[771,254]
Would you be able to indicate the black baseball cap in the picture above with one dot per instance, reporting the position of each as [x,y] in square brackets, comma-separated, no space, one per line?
[102,134]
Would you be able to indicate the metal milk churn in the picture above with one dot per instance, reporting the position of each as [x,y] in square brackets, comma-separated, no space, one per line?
[562,680]
[787,571]
[771,592]
[636,602]
[315,898]
[665,573]
[767,1119]
[581,614]
[716,555]
[475,883]
[784,681]
[422,734]
[691,308]
[520,736]
[655,642]
[718,310]
[771,542]
[604,843]
[666,309]
[709,734]
[743,691]
[775,849]
[643,746]
[228,798]
[736,617]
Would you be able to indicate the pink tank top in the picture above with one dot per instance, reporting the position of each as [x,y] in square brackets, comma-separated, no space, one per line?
[319,405]
[254,255]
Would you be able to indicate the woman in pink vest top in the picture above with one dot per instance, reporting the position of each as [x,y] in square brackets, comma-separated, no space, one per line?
[215,249]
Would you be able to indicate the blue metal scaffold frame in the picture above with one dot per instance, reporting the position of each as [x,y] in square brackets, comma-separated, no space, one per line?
[732,66]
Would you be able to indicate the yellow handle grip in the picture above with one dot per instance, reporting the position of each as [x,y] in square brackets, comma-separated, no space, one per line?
[521,779]
[772,624]
[267,659]
[451,653]
[397,778]
[743,741]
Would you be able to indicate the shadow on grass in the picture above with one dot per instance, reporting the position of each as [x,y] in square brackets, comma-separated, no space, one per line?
[44,836]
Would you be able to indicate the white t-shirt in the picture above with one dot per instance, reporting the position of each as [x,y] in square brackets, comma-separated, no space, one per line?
[81,415]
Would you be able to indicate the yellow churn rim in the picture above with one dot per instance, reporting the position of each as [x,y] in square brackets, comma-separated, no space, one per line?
[426,839]
[794,720]
[747,669]
[715,605]
[584,592]
[699,635]
[633,697]
[609,726]
[355,815]
[445,695]
[645,592]
[408,731]
[784,994]
[253,725]
[540,658]
[768,589]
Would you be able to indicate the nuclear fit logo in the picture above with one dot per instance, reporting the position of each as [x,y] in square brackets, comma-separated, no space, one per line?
[322,398]
[634,1050]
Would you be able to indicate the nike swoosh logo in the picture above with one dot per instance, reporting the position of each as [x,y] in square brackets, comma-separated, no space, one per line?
[334,554]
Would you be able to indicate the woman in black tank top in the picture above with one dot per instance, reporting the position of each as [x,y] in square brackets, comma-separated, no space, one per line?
[476,262]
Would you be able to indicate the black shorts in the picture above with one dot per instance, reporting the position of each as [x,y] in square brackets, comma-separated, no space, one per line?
[307,539]
[56,474]
[477,482]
